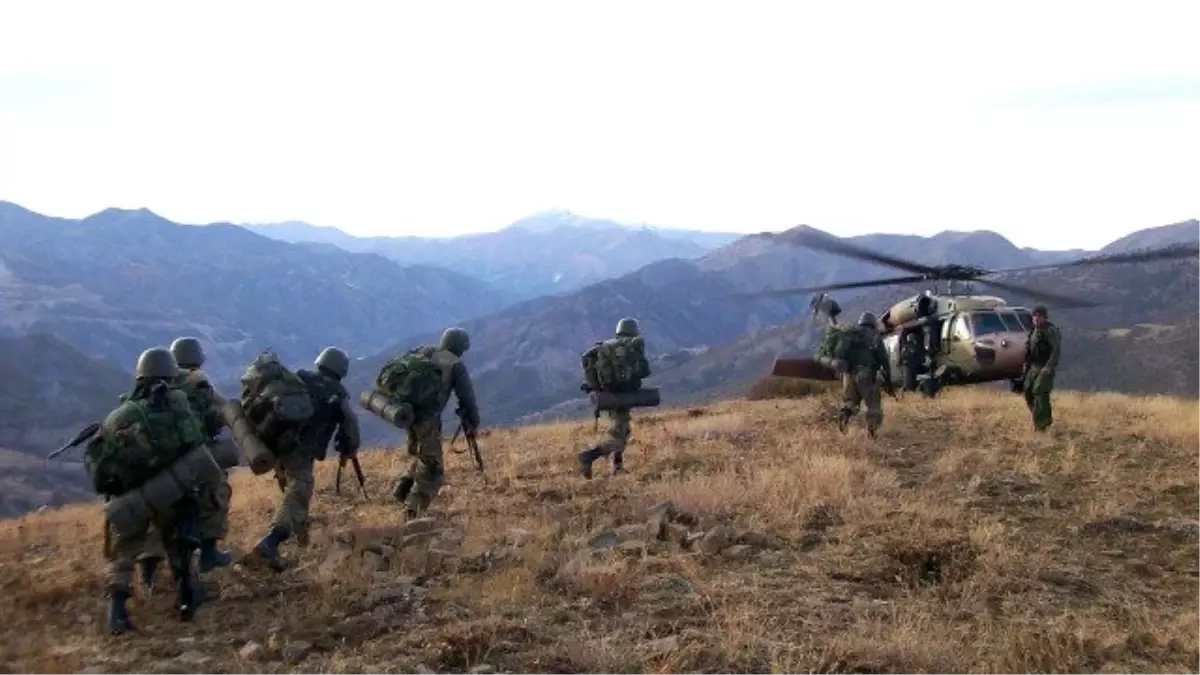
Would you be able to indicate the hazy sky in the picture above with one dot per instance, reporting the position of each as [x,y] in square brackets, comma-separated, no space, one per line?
[1028,118]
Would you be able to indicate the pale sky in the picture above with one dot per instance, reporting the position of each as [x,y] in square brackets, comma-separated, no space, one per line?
[438,118]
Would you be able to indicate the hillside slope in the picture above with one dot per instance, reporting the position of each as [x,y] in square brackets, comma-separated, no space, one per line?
[118,282]
[746,537]
[525,358]
[546,253]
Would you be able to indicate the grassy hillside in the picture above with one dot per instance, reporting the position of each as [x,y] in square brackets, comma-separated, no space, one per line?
[746,537]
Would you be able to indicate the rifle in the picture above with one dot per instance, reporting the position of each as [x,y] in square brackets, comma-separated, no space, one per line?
[358,473]
[472,444]
[88,431]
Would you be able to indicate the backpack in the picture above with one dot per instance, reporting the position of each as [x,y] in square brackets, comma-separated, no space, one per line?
[617,364]
[202,398]
[275,401]
[141,438]
[413,378]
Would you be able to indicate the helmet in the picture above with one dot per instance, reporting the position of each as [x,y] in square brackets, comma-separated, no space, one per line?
[456,341]
[628,327]
[1041,309]
[334,360]
[867,319]
[156,362]
[187,352]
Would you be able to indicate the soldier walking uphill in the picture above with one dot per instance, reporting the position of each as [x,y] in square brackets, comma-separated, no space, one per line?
[628,368]
[863,360]
[420,484]
[194,383]
[153,426]
[294,470]
[1043,348]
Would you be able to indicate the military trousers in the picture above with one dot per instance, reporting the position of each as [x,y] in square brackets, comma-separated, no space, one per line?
[860,387]
[426,473]
[1037,387]
[294,473]
[619,428]
[156,538]
[213,505]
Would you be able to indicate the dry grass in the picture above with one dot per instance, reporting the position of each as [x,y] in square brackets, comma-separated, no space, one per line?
[958,541]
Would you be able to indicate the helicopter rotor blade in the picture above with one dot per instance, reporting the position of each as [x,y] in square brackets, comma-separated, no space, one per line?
[784,292]
[829,244]
[1168,253]
[1063,301]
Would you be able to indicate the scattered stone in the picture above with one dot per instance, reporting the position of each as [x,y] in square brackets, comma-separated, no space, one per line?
[715,540]
[658,518]
[418,525]
[1186,530]
[297,651]
[662,645]
[373,562]
[1067,580]
[738,552]
[1120,524]
[759,539]
[251,651]
[517,537]
[422,669]
[65,650]
[391,594]
[811,540]
[417,539]
[193,658]
[634,547]
[667,583]
[483,669]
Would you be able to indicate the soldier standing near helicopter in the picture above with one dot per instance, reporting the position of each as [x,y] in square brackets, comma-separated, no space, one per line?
[1043,348]
[863,362]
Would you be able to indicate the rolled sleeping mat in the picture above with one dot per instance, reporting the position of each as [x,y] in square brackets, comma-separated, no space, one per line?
[614,400]
[131,512]
[225,451]
[395,413]
[258,455]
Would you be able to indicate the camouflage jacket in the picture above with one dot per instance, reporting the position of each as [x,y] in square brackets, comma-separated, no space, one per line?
[202,397]
[332,413]
[458,382]
[1043,347]
[864,350]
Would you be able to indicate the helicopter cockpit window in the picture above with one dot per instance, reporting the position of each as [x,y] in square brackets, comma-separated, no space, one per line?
[1026,319]
[985,323]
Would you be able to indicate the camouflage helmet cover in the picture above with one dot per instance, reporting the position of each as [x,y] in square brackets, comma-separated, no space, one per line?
[455,340]
[156,362]
[628,327]
[1041,309]
[867,319]
[187,352]
[334,360]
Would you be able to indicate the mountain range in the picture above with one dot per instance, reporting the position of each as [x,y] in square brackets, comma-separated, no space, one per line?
[119,281]
[546,253]
[86,296]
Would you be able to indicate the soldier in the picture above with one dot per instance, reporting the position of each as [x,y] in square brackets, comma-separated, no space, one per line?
[619,422]
[420,484]
[154,367]
[295,467]
[865,360]
[189,355]
[1043,347]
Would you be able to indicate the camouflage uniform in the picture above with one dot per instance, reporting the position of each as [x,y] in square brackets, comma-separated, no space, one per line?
[619,425]
[1043,348]
[419,485]
[294,469]
[215,499]
[865,359]
[154,366]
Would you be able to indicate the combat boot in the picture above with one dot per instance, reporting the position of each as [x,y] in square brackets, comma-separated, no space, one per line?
[211,556]
[148,568]
[618,463]
[843,420]
[585,462]
[403,487]
[118,616]
[268,547]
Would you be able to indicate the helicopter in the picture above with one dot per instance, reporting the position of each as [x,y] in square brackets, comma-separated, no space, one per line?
[937,339]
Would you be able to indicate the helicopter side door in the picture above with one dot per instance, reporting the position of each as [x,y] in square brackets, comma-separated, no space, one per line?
[957,346]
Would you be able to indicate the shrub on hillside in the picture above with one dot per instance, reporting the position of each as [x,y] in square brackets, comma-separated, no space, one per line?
[789,387]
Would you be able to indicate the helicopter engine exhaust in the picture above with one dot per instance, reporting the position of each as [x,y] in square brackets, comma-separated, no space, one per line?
[908,310]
